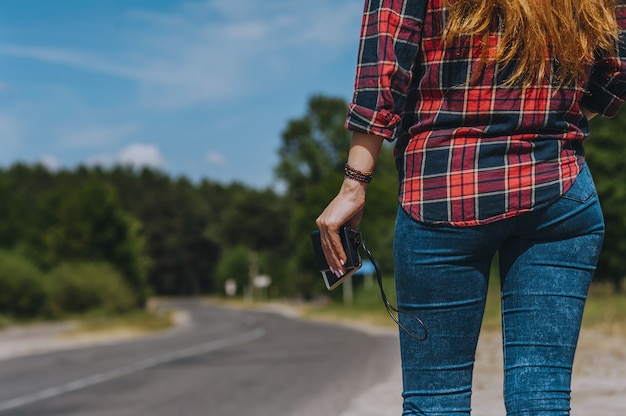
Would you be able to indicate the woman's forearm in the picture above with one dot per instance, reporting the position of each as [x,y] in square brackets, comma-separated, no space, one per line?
[347,206]
[364,151]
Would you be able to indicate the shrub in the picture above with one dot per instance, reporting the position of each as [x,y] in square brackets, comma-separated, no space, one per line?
[23,291]
[84,287]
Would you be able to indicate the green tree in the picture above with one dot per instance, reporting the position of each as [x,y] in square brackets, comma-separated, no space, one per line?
[87,222]
[22,188]
[234,265]
[9,217]
[313,146]
[312,155]
[604,152]
[174,216]
[258,220]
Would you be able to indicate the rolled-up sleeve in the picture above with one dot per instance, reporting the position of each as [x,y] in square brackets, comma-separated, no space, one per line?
[606,90]
[390,38]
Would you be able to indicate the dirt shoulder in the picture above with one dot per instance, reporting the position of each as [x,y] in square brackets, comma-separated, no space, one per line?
[598,383]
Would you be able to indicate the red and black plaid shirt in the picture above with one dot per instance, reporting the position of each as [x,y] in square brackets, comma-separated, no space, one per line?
[469,151]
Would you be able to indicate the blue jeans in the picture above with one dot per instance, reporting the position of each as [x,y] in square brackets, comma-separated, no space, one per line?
[547,258]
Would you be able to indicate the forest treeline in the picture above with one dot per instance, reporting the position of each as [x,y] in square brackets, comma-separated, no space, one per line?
[94,238]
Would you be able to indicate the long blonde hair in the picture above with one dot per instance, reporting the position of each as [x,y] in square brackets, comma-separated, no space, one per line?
[558,38]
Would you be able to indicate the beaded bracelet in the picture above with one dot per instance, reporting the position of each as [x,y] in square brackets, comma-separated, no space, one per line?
[357,175]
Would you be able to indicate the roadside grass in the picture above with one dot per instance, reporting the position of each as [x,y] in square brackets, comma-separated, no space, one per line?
[5,322]
[138,321]
[605,310]
[151,319]
[367,307]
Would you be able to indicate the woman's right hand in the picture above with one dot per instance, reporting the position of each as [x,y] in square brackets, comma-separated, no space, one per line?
[345,209]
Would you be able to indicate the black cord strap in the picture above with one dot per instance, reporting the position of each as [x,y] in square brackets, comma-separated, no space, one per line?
[388,304]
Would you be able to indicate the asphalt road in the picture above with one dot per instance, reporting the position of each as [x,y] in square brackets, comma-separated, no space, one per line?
[226,362]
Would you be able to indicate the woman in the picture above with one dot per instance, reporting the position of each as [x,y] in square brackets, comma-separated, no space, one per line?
[489,102]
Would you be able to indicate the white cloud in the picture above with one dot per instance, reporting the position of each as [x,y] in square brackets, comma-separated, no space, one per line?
[49,161]
[141,155]
[216,50]
[216,159]
[78,59]
[136,155]
[96,136]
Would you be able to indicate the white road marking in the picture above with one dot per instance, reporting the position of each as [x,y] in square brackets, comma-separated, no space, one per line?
[131,369]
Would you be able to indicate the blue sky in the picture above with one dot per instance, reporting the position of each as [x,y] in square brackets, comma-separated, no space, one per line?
[195,88]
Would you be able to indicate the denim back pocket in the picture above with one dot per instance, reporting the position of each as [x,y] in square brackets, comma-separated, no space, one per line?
[583,188]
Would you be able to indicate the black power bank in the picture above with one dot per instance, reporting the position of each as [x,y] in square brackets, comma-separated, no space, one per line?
[350,240]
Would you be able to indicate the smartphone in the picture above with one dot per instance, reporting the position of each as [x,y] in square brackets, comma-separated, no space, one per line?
[350,240]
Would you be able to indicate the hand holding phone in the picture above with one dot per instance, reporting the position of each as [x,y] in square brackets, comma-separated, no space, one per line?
[350,240]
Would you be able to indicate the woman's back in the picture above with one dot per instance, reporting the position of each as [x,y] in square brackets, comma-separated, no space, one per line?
[479,140]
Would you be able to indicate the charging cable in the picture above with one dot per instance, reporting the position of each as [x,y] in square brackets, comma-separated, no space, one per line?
[390,308]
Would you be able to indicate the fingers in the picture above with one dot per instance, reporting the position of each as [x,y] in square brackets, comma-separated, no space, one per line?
[331,241]
[340,211]
[333,251]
